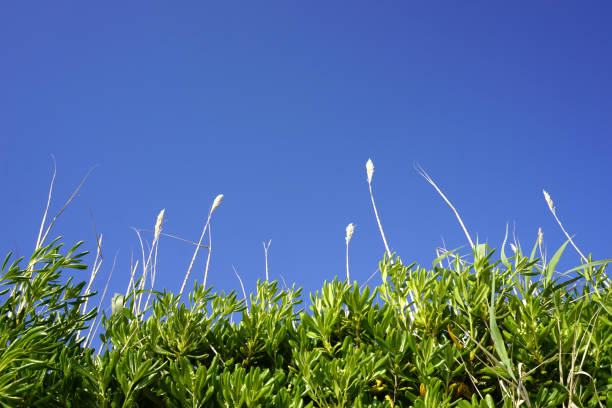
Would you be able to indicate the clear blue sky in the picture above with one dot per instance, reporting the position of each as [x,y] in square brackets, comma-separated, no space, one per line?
[278,105]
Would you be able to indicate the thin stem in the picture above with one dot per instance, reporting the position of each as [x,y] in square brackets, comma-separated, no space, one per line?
[133,268]
[94,272]
[246,302]
[266,258]
[370,278]
[64,207]
[554,213]
[348,275]
[424,174]
[44,220]
[175,237]
[215,204]
[382,233]
[89,338]
[209,254]
[153,273]
[138,297]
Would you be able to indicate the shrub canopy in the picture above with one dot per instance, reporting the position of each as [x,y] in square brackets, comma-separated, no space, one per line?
[483,333]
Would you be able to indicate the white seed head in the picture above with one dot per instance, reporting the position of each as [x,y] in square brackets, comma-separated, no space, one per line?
[540,236]
[349,232]
[217,202]
[549,201]
[370,170]
[158,224]
[513,247]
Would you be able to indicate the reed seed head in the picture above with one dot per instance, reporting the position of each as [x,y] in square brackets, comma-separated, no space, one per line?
[158,224]
[216,203]
[370,170]
[549,201]
[349,232]
[540,236]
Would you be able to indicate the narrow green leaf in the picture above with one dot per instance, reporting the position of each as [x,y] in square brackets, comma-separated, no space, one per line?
[588,265]
[550,268]
[498,341]
[6,260]
[445,255]
[564,284]
[533,251]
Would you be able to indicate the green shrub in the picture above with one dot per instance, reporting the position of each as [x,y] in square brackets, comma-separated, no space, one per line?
[484,333]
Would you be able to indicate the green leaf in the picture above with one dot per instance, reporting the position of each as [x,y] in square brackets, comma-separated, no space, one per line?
[445,255]
[588,265]
[550,268]
[498,341]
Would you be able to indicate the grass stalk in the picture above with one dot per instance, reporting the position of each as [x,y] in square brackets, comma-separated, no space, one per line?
[94,272]
[154,248]
[143,277]
[266,248]
[552,209]
[370,173]
[209,254]
[44,219]
[246,300]
[350,229]
[363,285]
[215,204]
[180,239]
[133,269]
[74,193]
[426,176]
[43,236]
[96,321]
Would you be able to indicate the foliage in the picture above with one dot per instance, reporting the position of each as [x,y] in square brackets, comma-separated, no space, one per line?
[485,333]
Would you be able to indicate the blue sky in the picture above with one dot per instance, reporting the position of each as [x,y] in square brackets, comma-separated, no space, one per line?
[278,106]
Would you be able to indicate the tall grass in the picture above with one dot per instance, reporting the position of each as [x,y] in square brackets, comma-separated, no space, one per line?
[477,329]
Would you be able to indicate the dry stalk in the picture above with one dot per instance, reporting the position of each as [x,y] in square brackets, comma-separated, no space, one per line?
[552,209]
[209,254]
[94,272]
[178,238]
[370,173]
[438,255]
[560,357]
[93,224]
[133,269]
[89,338]
[158,229]
[573,372]
[44,219]
[350,229]
[426,176]
[138,297]
[285,287]
[540,240]
[266,248]
[215,204]
[44,237]
[246,300]
[369,278]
